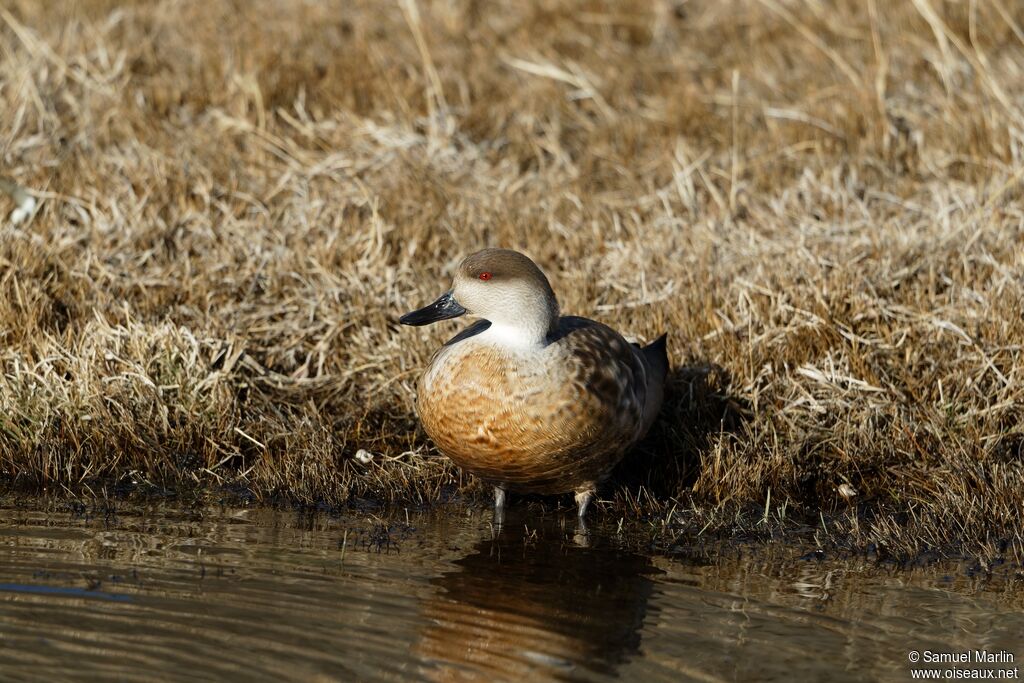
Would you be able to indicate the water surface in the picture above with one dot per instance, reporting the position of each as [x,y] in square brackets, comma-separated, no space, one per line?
[141,594]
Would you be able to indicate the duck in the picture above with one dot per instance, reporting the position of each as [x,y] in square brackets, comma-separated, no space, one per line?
[527,399]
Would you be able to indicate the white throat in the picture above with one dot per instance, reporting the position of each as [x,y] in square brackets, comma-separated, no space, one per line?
[518,337]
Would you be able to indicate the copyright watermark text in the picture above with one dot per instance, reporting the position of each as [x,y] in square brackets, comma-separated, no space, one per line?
[963,665]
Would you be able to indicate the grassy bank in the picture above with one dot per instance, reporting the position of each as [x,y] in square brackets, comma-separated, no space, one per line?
[821,204]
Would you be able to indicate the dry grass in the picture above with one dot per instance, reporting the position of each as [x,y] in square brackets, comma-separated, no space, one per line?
[820,201]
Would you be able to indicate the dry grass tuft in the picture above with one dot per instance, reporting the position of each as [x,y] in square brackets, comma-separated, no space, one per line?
[821,203]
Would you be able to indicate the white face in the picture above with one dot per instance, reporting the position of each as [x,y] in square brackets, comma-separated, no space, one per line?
[494,299]
[503,287]
[518,302]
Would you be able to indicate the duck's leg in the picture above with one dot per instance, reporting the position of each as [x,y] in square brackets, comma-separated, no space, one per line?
[583,498]
[582,536]
[499,505]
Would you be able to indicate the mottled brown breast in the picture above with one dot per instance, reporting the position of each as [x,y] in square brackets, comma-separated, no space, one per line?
[549,420]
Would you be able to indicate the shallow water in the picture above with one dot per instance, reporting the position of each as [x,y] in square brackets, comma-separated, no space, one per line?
[260,594]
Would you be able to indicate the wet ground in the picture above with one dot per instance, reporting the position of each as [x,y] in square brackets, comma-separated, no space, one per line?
[261,594]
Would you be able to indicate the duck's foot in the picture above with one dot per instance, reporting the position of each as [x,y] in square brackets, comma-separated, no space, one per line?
[583,498]
[499,506]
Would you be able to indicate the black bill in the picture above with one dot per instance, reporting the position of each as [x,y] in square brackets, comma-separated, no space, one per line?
[442,309]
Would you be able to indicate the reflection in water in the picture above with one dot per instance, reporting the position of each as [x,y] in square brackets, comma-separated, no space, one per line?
[264,595]
[532,606]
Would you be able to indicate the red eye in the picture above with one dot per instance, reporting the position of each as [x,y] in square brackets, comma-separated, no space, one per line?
[485,276]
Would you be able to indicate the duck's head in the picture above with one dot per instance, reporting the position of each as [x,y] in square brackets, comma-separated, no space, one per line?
[503,287]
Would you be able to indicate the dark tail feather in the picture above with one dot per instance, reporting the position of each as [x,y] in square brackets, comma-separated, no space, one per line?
[655,357]
[656,354]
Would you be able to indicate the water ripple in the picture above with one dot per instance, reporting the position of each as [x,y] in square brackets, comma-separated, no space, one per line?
[269,595]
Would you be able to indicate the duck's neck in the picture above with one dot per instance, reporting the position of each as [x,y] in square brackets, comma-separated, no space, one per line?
[514,336]
[522,329]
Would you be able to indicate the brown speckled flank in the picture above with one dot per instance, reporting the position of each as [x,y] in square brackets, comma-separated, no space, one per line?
[546,415]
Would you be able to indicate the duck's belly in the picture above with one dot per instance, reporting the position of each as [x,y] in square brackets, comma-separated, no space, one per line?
[518,424]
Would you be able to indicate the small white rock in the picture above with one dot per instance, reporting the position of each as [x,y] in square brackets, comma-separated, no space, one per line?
[364,456]
[24,210]
[846,491]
